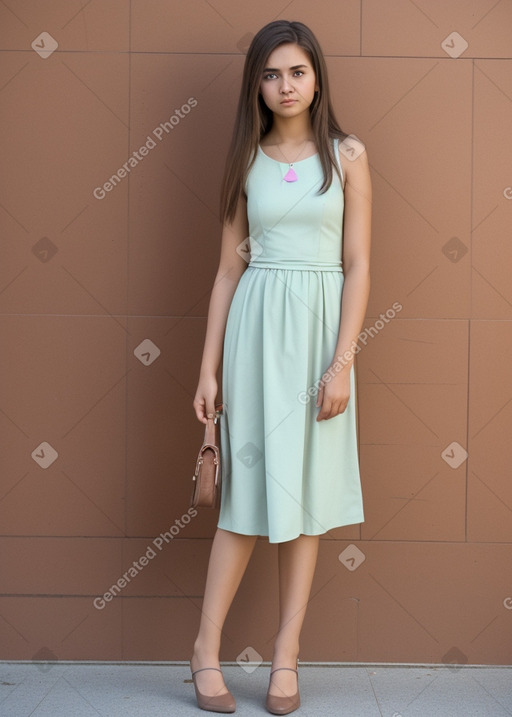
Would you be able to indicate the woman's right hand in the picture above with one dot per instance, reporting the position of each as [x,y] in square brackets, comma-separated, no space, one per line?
[204,401]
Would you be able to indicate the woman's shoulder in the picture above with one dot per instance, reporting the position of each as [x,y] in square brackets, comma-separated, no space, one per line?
[352,154]
[351,147]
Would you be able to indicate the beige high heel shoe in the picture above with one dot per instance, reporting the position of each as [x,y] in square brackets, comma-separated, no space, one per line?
[278,705]
[214,703]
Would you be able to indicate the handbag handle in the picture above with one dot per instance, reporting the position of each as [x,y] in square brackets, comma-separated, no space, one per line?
[209,438]
[218,409]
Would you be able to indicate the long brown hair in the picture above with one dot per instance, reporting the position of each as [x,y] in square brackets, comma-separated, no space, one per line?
[254,119]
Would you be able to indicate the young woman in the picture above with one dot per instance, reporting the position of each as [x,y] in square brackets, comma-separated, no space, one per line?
[287,322]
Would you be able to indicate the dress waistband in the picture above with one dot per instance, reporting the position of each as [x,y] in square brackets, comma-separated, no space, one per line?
[297,264]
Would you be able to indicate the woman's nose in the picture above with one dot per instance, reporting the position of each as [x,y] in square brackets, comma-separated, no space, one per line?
[285,85]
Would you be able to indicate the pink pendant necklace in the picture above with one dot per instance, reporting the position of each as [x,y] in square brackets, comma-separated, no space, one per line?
[291,175]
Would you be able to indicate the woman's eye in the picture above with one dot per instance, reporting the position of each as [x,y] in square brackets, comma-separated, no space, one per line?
[271,75]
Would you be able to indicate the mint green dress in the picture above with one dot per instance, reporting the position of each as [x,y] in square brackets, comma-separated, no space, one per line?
[284,473]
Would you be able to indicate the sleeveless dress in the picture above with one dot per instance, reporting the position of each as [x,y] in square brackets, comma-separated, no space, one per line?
[284,473]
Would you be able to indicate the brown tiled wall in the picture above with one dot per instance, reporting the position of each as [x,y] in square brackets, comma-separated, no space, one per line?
[103,306]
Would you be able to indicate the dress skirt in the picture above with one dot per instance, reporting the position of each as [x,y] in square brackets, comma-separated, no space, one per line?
[284,473]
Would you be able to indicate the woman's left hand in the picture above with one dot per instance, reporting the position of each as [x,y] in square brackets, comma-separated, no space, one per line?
[333,395]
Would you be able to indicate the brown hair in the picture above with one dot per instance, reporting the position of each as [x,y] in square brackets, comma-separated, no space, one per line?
[254,119]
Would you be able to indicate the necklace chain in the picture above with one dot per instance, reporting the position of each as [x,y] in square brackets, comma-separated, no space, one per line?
[297,157]
[291,174]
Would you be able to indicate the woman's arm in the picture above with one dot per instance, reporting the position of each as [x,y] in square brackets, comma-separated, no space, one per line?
[231,267]
[334,392]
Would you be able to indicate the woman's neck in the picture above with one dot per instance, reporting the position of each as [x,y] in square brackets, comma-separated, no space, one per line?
[292,131]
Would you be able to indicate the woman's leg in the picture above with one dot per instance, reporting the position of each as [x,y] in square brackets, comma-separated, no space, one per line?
[229,557]
[297,562]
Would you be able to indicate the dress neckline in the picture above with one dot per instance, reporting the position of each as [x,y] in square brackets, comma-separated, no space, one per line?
[286,163]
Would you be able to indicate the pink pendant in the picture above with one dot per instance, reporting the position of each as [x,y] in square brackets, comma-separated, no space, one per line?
[290,175]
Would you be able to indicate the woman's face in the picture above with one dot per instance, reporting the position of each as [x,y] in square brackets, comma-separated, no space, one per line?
[288,81]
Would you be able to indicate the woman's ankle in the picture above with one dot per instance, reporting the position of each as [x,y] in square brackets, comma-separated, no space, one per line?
[206,653]
[286,654]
